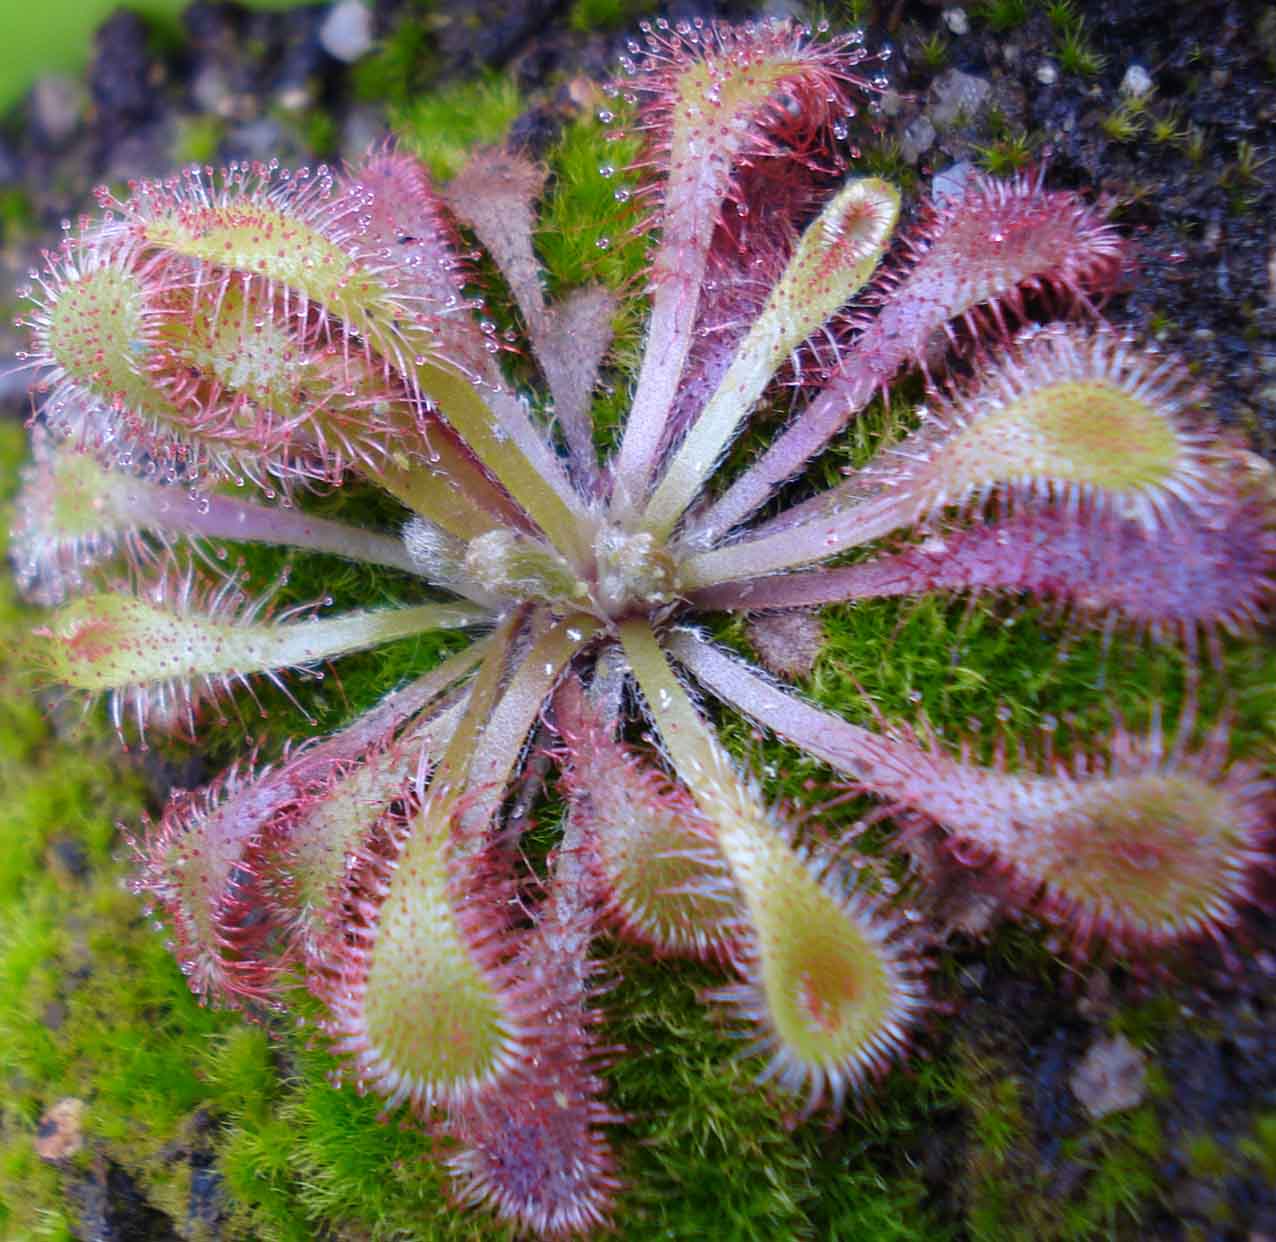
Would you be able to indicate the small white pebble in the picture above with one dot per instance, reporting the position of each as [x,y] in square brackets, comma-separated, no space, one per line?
[957,21]
[293,98]
[1137,82]
[1047,74]
[346,33]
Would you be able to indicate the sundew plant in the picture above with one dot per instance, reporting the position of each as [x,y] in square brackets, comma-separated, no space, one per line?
[220,355]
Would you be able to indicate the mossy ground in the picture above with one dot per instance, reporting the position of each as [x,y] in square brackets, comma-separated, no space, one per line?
[92,1007]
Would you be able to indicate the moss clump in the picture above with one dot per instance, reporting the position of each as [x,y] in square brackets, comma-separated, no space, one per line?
[1206,1157]
[1011,1194]
[1260,1147]
[90,1004]
[405,63]
[443,128]
[706,1155]
[589,15]
[198,139]
[1121,1154]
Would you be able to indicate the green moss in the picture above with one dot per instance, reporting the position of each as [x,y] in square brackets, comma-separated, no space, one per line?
[998,1120]
[1168,127]
[1125,122]
[589,15]
[703,1153]
[1206,1157]
[1076,54]
[444,127]
[1122,1154]
[1009,154]
[1260,1148]
[320,133]
[297,1156]
[404,64]
[17,214]
[696,1123]
[934,52]
[1002,15]
[90,1004]
[1146,1023]
[198,139]
[1010,1194]
[585,233]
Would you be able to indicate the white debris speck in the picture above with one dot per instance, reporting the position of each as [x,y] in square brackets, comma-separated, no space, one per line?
[1137,82]
[1047,74]
[957,21]
[1111,1078]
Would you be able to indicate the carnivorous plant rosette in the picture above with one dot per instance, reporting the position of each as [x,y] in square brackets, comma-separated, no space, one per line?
[280,331]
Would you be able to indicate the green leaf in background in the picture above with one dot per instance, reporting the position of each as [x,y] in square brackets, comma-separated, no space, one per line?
[57,36]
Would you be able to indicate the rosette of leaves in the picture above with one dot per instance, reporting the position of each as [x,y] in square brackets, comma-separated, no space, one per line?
[214,346]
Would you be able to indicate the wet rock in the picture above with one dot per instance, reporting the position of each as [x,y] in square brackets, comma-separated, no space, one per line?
[363,129]
[1111,1078]
[918,138]
[492,32]
[950,183]
[1098,1000]
[346,33]
[257,140]
[211,28]
[68,859]
[121,78]
[211,91]
[302,57]
[205,1205]
[113,1209]
[296,97]
[60,1133]
[892,103]
[535,131]
[57,107]
[1198,1200]
[10,167]
[1053,1103]
[143,152]
[1265,32]
[958,96]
